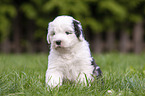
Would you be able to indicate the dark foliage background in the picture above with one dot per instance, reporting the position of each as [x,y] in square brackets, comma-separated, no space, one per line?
[109,25]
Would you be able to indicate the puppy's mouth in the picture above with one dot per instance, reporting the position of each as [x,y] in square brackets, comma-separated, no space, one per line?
[58,46]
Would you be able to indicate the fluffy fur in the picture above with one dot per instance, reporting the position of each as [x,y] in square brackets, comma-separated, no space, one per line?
[70,56]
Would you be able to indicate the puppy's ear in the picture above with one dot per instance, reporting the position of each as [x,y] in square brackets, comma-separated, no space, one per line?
[48,34]
[78,29]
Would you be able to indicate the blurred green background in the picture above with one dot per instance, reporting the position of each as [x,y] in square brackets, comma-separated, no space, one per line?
[109,25]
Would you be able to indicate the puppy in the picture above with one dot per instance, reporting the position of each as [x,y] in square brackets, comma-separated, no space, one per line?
[70,57]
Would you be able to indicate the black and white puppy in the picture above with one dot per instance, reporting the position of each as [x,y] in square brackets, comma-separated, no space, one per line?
[70,57]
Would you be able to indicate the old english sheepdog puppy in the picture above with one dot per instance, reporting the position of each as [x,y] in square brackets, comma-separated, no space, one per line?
[70,57]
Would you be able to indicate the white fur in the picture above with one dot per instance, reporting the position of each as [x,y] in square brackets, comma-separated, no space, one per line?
[72,59]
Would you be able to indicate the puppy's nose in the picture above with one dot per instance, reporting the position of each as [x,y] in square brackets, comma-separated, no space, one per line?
[58,42]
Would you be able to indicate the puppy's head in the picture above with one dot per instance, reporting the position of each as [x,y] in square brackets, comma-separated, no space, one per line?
[64,32]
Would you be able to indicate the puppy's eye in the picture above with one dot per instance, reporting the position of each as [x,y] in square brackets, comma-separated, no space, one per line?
[53,33]
[68,33]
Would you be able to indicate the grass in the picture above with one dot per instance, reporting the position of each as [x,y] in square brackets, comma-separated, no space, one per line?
[24,75]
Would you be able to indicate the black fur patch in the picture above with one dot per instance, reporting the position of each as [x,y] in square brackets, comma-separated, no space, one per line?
[97,71]
[77,28]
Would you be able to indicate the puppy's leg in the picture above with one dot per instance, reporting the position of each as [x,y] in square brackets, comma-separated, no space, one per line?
[84,78]
[53,79]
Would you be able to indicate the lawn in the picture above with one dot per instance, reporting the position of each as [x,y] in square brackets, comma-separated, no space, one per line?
[24,75]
